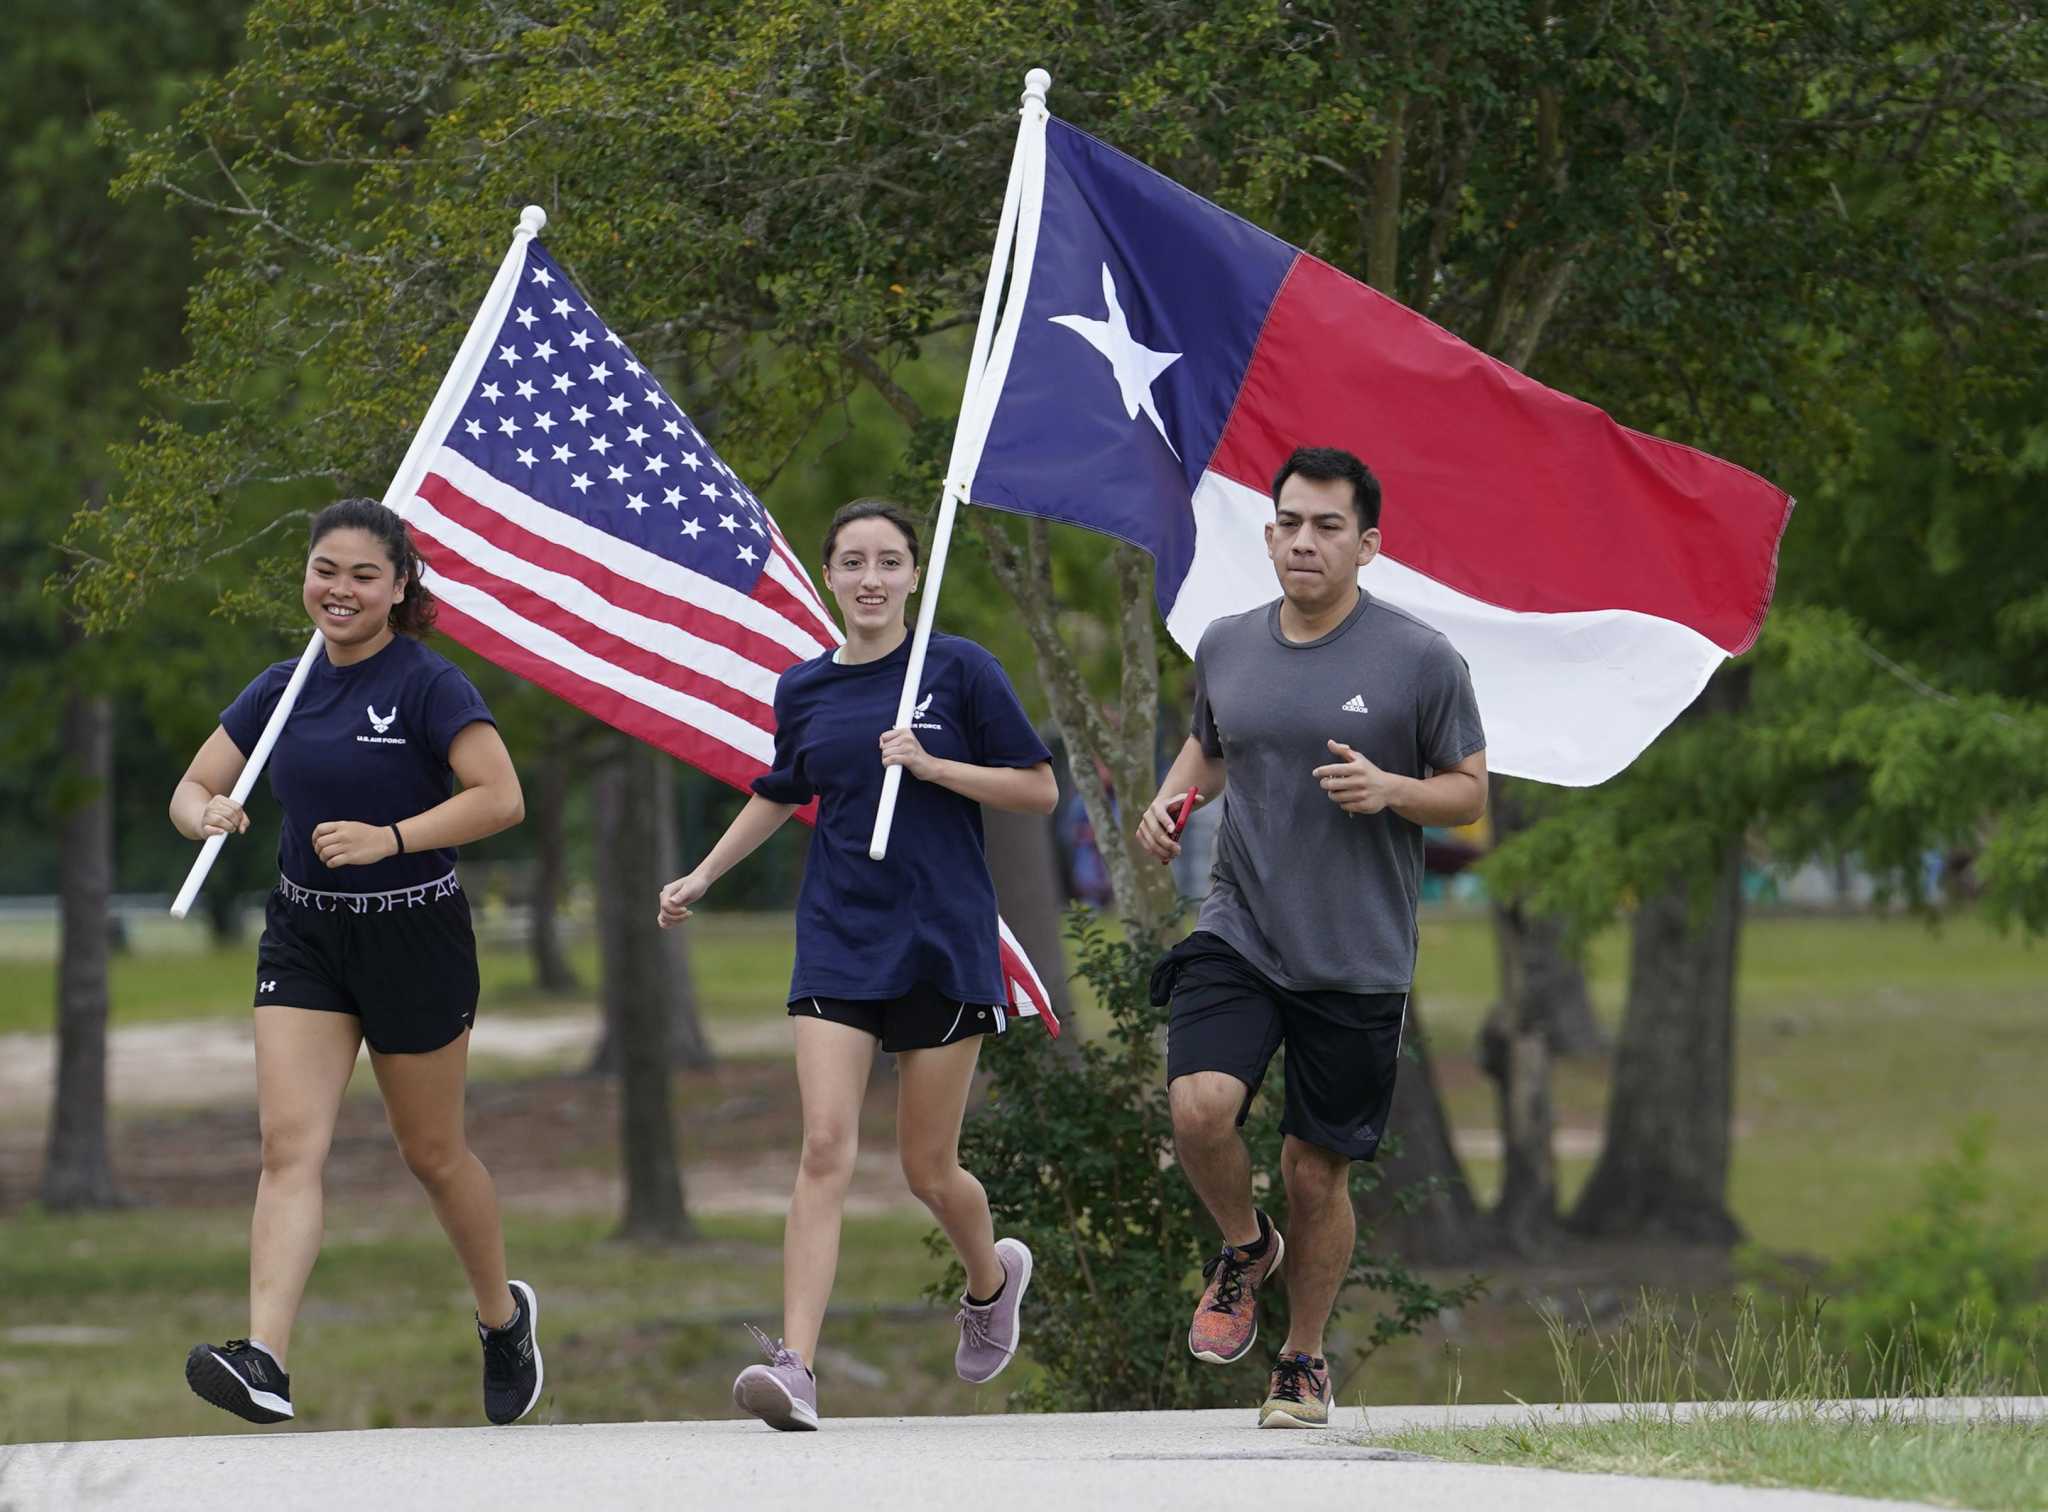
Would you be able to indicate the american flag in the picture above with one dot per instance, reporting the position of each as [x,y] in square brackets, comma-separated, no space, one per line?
[579,531]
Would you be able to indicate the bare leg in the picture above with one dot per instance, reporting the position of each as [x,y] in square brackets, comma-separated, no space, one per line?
[1211,1151]
[1322,1232]
[931,1102]
[423,1098]
[832,1066]
[304,1058]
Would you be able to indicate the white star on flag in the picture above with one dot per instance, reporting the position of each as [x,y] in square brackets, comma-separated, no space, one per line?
[1135,365]
[692,528]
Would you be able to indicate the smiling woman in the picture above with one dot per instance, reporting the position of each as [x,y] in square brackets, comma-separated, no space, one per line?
[366,939]
[895,954]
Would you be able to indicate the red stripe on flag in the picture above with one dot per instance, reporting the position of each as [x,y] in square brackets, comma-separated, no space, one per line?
[596,640]
[628,593]
[616,709]
[1495,485]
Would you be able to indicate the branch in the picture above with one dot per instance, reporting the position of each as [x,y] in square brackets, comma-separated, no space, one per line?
[893,393]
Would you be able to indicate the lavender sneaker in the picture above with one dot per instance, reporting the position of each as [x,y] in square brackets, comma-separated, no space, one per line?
[782,1393]
[988,1335]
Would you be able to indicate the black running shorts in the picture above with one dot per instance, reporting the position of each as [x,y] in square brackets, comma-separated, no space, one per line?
[407,971]
[1342,1047]
[922,1019]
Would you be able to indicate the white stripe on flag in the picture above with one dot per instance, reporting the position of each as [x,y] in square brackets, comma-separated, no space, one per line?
[1576,696]
[782,567]
[620,556]
[728,729]
[664,640]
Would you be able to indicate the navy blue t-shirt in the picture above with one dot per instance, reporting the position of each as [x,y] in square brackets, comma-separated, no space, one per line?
[865,929]
[367,742]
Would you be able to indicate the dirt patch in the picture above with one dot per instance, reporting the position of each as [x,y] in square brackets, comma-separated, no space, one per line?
[551,1143]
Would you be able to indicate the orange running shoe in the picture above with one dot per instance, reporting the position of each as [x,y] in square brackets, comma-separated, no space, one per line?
[1227,1318]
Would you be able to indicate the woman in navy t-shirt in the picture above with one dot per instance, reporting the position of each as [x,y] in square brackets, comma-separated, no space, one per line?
[367,938]
[900,953]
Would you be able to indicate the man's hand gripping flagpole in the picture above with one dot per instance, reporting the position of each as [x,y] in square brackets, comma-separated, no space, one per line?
[993,345]
[455,386]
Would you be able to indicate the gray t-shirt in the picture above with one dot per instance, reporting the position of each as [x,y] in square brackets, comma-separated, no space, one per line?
[1315,898]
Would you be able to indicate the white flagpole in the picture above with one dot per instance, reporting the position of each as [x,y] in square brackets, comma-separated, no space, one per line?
[1018,225]
[455,385]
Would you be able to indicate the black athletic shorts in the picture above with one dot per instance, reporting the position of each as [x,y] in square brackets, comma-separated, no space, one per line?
[1342,1047]
[404,963]
[921,1019]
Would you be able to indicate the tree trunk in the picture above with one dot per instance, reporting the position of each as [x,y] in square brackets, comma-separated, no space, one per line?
[673,983]
[1027,878]
[77,1172]
[551,969]
[1543,1007]
[633,989]
[1439,1224]
[1663,1171]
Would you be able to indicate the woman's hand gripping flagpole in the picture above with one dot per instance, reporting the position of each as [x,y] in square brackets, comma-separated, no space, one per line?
[1018,230]
[455,385]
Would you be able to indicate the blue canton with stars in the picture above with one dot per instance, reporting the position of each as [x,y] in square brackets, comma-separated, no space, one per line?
[565,413]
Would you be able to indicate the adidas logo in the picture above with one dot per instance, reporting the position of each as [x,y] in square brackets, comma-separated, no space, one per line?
[1355,704]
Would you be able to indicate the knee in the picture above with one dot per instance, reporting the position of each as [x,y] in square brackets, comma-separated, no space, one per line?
[828,1153]
[292,1149]
[1205,1107]
[930,1176]
[1314,1178]
[433,1161]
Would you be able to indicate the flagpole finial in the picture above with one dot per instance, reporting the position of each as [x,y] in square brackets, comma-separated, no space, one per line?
[531,219]
[1036,83]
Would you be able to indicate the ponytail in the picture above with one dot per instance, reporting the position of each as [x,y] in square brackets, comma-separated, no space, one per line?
[414,614]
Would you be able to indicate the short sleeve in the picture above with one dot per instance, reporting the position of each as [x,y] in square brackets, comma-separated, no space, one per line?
[786,781]
[453,704]
[1003,735]
[245,718]
[1447,723]
[1202,727]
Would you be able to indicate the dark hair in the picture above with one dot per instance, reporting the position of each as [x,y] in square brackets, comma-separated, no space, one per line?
[414,614]
[1328,464]
[871,509]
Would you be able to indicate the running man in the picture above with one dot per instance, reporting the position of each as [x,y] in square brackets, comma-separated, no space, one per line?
[1344,726]
[367,937]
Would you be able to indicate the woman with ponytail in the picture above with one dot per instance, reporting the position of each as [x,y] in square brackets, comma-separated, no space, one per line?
[366,939]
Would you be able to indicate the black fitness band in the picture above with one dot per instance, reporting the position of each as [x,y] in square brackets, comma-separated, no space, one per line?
[399,837]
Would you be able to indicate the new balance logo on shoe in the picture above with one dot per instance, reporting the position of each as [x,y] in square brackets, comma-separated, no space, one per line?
[1355,704]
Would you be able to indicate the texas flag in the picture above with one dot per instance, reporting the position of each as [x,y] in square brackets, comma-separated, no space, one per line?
[1170,355]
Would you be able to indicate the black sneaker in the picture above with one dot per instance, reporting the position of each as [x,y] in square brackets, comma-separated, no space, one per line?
[512,1368]
[238,1377]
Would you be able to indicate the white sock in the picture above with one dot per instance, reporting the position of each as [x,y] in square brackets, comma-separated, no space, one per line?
[259,1344]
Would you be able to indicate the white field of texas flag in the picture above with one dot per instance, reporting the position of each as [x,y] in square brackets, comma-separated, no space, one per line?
[580,531]
[1170,355]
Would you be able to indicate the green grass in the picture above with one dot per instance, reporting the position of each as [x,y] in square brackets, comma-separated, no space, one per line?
[1999,1465]
[385,1338]
[1773,1406]
[174,973]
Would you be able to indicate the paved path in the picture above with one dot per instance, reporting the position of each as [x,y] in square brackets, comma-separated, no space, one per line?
[1129,1462]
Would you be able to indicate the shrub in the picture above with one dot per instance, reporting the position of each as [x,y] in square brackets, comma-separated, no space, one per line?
[1948,1280]
[1075,1146]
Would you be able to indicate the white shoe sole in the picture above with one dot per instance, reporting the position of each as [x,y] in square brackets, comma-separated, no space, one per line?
[540,1373]
[1210,1358]
[759,1393]
[1280,1417]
